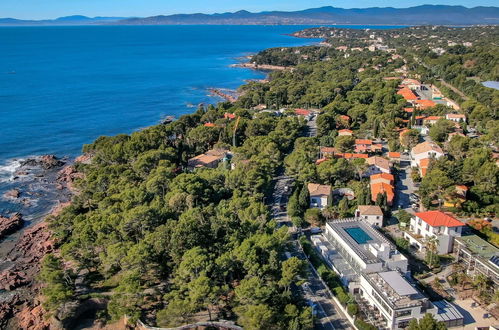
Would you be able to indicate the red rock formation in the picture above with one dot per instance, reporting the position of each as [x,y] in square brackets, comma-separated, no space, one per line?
[10,225]
[32,318]
[84,159]
[67,176]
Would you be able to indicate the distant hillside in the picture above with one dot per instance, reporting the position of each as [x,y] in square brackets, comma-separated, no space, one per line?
[67,20]
[427,14]
[420,15]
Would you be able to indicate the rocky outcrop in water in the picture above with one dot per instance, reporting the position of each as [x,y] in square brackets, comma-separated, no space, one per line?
[13,193]
[47,162]
[10,225]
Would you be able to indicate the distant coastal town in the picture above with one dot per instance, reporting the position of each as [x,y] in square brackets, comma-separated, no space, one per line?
[353,188]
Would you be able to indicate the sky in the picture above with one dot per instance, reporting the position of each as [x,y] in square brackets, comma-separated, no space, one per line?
[45,9]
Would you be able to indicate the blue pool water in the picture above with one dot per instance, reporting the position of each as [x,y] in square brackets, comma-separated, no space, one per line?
[359,235]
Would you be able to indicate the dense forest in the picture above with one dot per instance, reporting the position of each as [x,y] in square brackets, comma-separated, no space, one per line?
[172,246]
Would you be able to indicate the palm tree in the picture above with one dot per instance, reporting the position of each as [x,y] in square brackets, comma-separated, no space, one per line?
[481,283]
[431,243]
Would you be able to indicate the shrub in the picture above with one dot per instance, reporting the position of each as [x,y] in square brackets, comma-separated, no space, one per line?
[314,217]
[353,309]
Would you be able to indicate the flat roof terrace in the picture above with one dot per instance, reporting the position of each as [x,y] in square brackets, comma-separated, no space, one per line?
[395,289]
[358,235]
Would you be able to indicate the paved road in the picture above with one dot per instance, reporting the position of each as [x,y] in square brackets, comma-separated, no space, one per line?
[328,315]
[404,186]
[311,130]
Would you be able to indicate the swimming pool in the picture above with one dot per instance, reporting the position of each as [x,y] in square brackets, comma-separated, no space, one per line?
[359,235]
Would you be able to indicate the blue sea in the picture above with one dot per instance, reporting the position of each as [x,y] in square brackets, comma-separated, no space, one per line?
[62,87]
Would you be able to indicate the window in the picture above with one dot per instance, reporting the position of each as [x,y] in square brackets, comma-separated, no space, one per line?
[419,221]
[427,227]
[403,313]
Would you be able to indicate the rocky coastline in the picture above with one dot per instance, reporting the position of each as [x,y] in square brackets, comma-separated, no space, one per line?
[20,306]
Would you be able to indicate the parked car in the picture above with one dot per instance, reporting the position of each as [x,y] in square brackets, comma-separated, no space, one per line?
[315,230]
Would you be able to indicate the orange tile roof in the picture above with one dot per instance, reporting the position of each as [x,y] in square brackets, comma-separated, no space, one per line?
[229,115]
[409,110]
[302,112]
[432,118]
[345,117]
[425,103]
[420,117]
[363,141]
[345,131]
[424,162]
[375,147]
[394,154]
[350,155]
[380,188]
[382,176]
[328,150]
[210,125]
[438,218]
[407,94]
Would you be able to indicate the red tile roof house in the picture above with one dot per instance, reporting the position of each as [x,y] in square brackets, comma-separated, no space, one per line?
[345,132]
[381,188]
[350,155]
[424,104]
[209,159]
[382,177]
[431,120]
[343,121]
[303,112]
[418,121]
[440,225]
[229,115]
[327,152]
[407,94]
[394,156]
[457,117]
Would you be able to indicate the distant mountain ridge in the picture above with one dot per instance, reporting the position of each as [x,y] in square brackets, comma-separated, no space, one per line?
[419,15]
[66,20]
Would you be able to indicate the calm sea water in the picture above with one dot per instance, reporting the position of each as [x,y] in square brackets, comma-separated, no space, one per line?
[61,87]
